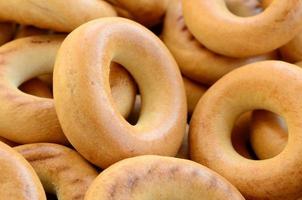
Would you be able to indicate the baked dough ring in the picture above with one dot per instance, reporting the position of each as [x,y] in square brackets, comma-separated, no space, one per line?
[255,86]
[156,177]
[146,12]
[7,31]
[58,15]
[97,130]
[18,179]
[241,37]
[61,170]
[194,60]
[28,119]
[269,134]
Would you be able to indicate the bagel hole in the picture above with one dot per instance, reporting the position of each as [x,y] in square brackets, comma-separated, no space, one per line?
[259,135]
[269,134]
[244,8]
[40,86]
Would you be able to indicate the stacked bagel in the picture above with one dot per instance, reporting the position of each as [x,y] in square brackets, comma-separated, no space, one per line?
[150,99]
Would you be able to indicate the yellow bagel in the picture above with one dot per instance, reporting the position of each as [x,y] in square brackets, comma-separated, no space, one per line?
[97,130]
[269,134]
[221,31]
[146,12]
[28,119]
[6,32]
[156,177]
[62,170]
[255,86]
[18,179]
[62,16]
[196,61]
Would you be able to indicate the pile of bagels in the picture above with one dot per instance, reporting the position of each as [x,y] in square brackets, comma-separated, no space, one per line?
[150,99]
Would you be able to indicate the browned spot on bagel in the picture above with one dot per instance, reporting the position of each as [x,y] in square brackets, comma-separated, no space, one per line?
[76,181]
[180,18]
[184,28]
[79,196]
[62,168]
[174,170]
[213,182]
[112,191]
[42,157]
[132,182]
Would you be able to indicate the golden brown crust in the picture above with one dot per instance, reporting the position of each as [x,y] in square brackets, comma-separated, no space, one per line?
[156,177]
[238,36]
[194,59]
[61,170]
[258,85]
[18,179]
[109,138]
[62,16]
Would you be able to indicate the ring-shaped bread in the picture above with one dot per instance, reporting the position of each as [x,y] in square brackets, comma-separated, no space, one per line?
[242,36]
[254,86]
[81,77]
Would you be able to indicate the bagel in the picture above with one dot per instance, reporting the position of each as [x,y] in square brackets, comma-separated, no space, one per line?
[36,87]
[18,179]
[61,170]
[238,36]
[195,61]
[269,134]
[107,137]
[156,177]
[62,16]
[6,32]
[29,119]
[146,12]
[254,86]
